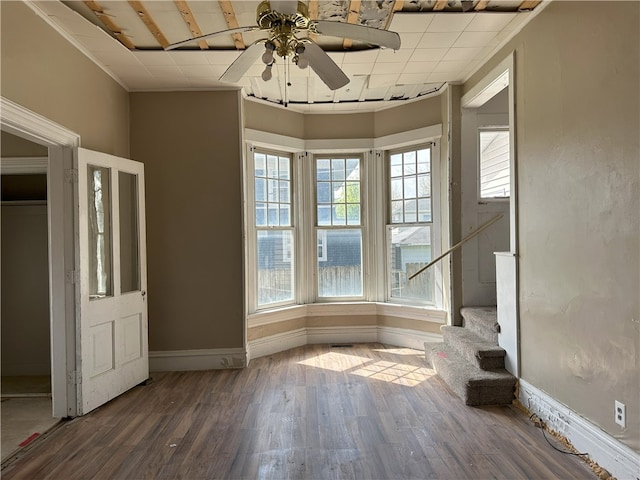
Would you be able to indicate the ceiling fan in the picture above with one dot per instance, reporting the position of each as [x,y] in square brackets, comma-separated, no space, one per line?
[283,21]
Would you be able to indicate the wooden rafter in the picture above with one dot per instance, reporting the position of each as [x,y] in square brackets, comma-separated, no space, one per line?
[232,22]
[440,4]
[313,15]
[352,17]
[528,4]
[112,26]
[481,5]
[149,22]
[190,20]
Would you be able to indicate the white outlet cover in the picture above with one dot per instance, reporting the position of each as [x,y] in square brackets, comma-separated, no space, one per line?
[620,414]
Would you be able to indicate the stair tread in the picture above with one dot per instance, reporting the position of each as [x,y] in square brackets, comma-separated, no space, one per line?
[472,384]
[480,346]
[487,317]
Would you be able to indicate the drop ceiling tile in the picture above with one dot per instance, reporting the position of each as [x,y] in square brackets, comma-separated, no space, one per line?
[447,22]
[221,57]
[362,56]
[474,39]
[412,78]
[386,80]
[385,68]
[438,40]
[440,77]
[154,58]
[197,71]
[188,58]
[455,54]
[428,54]
[490,21]
[165,71]
[357,68]
[419,67]
[410,40]
[337,57]
[446,66]
[410,22]
[397,56]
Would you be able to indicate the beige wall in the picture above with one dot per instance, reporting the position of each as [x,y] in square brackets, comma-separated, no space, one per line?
[46,74]
[25,290]
[578,184]
[267,118]
[190,145]
[13,146]
[408,116]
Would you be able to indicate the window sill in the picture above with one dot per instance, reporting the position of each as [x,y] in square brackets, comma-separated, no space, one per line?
[281,314]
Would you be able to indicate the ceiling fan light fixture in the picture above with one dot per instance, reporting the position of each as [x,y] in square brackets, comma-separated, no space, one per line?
[267,57]
[267,74]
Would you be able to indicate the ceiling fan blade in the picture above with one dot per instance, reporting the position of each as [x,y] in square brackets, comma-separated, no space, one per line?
[209,35]
[285,7]
[361,33]
[326,68]
[241,64]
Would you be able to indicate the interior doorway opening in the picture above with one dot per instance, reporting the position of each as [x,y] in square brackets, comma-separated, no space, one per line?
[27,405]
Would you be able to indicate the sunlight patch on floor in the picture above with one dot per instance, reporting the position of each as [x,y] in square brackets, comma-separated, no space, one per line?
[338,362]
[398,373]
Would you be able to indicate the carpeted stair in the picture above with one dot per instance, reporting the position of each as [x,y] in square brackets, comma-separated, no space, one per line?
[470,361]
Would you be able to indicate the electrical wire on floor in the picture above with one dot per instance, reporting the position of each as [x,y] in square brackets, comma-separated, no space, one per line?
[538,422]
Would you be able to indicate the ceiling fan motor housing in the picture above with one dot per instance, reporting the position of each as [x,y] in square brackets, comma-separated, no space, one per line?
[267,18]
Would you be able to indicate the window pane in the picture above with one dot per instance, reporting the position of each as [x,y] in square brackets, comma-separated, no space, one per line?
[397,211]
[339,216]
[396,165]
[337,169]
[261,190]
[273,215]
[261,214]
[495,168]
[275,266]
[340,273]
[272,191]
[410,187]
[129,244]
[353,192]
[353,214]
[424,210]
[410,251]
[424,160]
[324,192]
[396,188]
[410,211]
[285,215]
[260,164]
[424,185]
[323,170]
[272,166]
[324,215]
[409,163]
[100,241]
[284,192]
[353,169]
[285,174]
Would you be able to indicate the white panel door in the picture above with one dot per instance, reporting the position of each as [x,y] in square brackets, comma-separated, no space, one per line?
[112,347]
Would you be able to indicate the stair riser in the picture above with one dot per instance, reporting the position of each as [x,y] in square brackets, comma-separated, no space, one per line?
[488,335]
[469,352]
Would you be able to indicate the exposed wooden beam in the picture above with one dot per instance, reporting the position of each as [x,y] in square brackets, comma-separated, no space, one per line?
[352,17]
[149,22]
[112,26]
[440,4]
[232,22]
[313,15]
[528,4]
[481,5]
[190,20]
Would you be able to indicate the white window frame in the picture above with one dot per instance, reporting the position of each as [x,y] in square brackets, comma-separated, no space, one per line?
[252,229]
[491,128]
[374,220]
[364,159]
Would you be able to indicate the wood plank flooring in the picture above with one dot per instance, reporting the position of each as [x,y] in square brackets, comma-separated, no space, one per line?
[314,412]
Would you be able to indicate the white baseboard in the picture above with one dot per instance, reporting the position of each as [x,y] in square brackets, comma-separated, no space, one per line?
[362,334]
[612,455]
[403,337]
[183,360]
[353,334]
[276,343]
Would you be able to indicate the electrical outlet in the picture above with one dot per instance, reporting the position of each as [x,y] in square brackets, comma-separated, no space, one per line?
[621,414]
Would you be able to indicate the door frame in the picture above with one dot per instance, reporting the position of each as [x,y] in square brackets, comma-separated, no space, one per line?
[20,121]
[501,76]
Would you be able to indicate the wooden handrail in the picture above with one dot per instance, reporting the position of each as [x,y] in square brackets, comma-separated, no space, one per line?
[458,245]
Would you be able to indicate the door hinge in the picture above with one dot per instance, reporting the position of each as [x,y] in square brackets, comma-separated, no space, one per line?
[75,378]
[73,276]
[71,175]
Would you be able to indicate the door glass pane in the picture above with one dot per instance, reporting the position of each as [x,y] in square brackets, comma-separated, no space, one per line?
[129,244]
[100,246]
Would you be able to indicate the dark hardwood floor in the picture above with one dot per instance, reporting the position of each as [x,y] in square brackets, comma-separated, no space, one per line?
[314,412]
